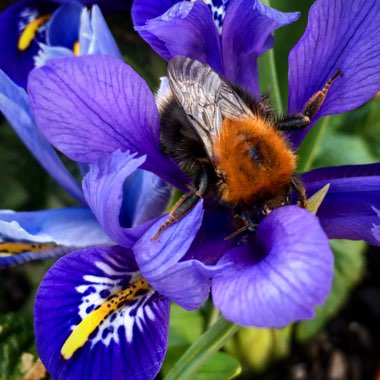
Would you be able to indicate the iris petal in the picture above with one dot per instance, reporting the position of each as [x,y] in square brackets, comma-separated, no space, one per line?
[14,63]
[103,188]
[247,34]
[120,331]
[95,36]
[339,35]
[281,276]
[91,105]
[14,106]
[63,28]
[351,207]
[199,35]
[46,234]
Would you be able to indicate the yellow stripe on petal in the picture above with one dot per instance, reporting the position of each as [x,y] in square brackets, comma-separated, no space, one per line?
[30,31]
[81,333]
[7,249]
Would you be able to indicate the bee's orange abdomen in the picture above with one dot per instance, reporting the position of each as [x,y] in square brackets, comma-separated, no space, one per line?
[255,160]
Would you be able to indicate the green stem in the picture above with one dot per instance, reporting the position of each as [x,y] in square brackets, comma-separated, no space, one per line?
[209,343]
[268,76]
[308,149]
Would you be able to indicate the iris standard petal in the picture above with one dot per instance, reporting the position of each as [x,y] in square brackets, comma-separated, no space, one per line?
[281,276]
[103,188]
[97,318]
[95,36]
[16,59]
[144,10]
[63,27]
[38,235]
[247,34]
[91,105]
[14,106]
[194,23]
[351,208]
[342,35]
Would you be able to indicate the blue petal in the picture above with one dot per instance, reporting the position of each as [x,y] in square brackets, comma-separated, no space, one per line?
[63,27]
[95,36]
[91,105]
[48,52]
[186,283]
[342,35]
[144,10]
[351,208]
[280,276]
[103,187]
[48,234]
[146,197]
[14,106]
[199,35]
[247,34]
[15,63]
[87,325]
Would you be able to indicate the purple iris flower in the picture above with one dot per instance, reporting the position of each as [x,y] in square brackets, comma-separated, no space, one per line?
[29,26]
[28,236]
[228,35]
[97,303]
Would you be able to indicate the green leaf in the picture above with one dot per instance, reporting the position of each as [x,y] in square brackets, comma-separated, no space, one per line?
[220,366]
[315,201]
[185,328]
[202,350]
[349,268]
[16,338]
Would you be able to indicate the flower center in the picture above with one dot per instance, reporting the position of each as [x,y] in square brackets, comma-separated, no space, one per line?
[30,24]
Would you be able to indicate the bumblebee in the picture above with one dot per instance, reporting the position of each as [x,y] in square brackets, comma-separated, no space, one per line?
[231,144]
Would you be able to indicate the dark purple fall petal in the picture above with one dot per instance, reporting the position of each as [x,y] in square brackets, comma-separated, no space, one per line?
[342,35]
[103,187]
[192,21]
[247,34]
[281,276]
[131,341]
[90,105]
[351,208]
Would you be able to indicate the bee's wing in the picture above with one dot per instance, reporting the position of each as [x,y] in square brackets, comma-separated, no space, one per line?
[205,98]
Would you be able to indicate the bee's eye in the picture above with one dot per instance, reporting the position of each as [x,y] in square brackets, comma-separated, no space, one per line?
[254,153]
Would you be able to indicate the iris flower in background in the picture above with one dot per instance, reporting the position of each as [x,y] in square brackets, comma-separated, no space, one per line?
[28,236]
[30,27]
[273,278]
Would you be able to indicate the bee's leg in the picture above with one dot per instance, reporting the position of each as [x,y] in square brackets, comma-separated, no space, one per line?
[312,106]
[186,203]
[299,188]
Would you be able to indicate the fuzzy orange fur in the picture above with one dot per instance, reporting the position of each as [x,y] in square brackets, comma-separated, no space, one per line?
[247,179]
